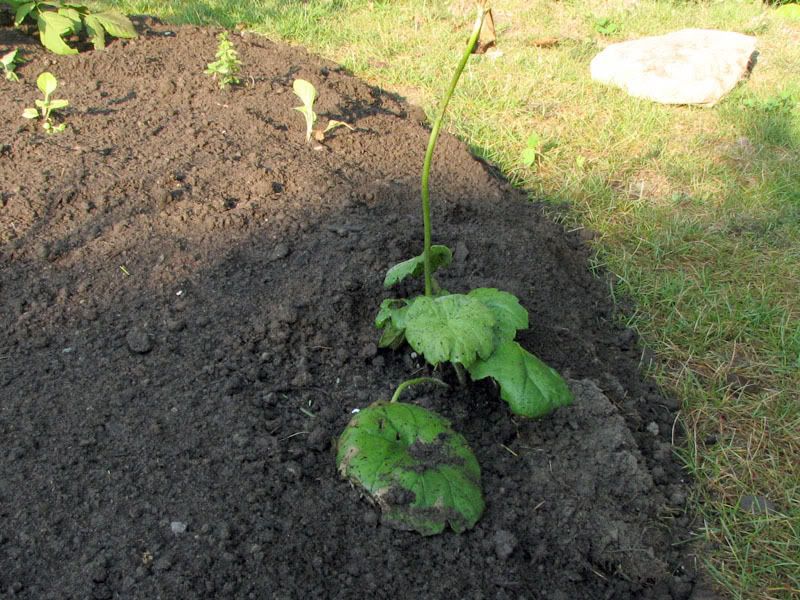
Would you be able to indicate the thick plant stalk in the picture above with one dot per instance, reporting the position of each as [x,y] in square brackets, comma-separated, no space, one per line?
[426,167]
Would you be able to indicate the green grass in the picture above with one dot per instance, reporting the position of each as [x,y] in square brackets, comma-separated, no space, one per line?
[697,211]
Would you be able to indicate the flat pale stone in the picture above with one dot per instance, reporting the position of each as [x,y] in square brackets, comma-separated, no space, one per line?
[691,66]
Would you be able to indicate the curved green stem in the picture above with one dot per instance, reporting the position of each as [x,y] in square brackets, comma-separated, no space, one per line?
[426,166]
[401,388]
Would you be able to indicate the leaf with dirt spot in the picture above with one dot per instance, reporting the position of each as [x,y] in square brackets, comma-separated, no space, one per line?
[420,472]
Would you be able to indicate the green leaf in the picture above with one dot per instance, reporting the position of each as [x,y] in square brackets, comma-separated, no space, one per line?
[391,318]
[790,12]
[47,83]
[74,16]
[23,10]
[441,256]
[116,24]
[51,27]
[58,104]
[507,311]
[454,328]
[420,472]
[531,388]
[333,124]
[30,113]
[307,93]
[95,31]
[529,156]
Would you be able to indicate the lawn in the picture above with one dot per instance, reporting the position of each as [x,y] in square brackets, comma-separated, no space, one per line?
[694,211]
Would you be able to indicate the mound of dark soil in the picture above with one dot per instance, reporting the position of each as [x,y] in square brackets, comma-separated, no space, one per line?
[188,291]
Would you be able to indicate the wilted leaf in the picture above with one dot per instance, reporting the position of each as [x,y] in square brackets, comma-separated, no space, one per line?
[420,472]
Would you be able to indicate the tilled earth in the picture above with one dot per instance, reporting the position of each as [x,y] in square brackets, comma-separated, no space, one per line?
[188,293]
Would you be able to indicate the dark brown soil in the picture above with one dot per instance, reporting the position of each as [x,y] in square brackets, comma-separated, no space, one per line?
[188,291]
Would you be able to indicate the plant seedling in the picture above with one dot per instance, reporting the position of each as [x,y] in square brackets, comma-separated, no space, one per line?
[535,149]
[10,60]
[398,452]
[226,68]
[57,19]
[47,84]
[605,26]
[307,93]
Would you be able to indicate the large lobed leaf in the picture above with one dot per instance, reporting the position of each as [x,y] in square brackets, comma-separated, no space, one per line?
[453,328]
[509,314]
[420,472]
[441,256]
[531,388]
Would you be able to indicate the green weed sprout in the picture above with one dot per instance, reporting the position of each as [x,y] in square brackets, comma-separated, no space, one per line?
[307,93]
[57,19]
[227,65]
[47,84]
[10,60]
[412,464]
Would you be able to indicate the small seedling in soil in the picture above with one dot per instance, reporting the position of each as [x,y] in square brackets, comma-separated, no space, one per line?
[535,149]
[226,68]
[47,84]
[307,93]
[475,333]
[10,60]
[57,20]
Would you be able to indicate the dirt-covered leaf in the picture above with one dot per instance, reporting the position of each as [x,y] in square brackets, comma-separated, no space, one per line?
[51,27]
[420,472]
[116,24]
[507,311]
[453,328]
[531,388]
[441,256]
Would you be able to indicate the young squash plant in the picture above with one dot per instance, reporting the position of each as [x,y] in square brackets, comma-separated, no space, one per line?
[56,20]
[407,458]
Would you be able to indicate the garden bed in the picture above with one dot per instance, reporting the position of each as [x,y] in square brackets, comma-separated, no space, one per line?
[188,295]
